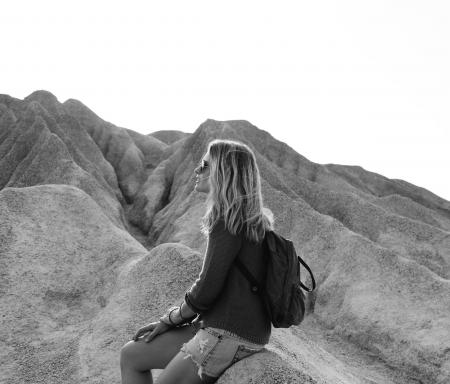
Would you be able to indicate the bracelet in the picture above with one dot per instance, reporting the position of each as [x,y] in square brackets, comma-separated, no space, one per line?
[168,321]
[181,315]
[166,318]
[174,324]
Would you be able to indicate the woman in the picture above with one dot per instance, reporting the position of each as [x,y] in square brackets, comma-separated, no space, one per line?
[232,322]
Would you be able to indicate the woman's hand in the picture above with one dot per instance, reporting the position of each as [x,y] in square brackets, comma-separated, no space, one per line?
[154,328]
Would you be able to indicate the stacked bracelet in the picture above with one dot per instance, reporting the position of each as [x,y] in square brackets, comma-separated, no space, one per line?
[173,309]
[164,319]
[181,315]
[183,319]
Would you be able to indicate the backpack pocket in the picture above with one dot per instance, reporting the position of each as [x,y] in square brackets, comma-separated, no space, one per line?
[296,310]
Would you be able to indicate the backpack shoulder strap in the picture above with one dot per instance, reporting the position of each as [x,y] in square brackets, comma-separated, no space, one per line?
[312,277]
[255,286]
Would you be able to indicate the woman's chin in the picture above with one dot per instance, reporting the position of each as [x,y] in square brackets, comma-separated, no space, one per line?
[199,189]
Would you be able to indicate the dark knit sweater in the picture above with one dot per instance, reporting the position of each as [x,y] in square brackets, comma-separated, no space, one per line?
[222,295]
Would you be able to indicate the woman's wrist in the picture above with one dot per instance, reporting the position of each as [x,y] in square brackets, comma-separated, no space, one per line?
[172,317]
[175,317]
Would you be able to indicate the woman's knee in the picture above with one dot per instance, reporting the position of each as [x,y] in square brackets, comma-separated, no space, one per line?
[140,356]
[156,354]
[136,356]
[126,353]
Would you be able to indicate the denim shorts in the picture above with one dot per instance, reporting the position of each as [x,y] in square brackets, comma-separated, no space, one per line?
[214,350]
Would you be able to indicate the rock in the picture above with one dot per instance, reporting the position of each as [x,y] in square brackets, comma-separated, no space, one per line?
[265,368]
[116,145]
[58,253]
[78,194]
[170,136]
[152,148]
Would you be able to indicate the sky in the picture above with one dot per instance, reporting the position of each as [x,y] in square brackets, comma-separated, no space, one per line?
[345,82]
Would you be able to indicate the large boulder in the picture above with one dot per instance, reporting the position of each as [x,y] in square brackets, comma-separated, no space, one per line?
[60,259]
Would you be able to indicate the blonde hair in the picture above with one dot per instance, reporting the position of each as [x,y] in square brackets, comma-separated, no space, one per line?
[235,193]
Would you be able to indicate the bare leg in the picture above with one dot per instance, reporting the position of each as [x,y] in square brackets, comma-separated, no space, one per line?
[182,370]
[137,359]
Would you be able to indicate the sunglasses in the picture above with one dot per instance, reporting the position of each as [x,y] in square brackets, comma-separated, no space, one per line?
[203,166]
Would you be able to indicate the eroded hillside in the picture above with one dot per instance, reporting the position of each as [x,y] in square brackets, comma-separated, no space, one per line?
[99,234]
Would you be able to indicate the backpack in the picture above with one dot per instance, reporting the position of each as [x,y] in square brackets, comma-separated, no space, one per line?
[282,289]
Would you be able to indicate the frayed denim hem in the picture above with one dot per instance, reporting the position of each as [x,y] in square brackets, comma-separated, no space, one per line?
[203,376]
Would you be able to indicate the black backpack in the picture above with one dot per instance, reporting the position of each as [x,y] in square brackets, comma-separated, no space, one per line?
[282,289]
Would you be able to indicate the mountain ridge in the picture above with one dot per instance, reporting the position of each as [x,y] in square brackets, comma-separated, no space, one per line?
[378,247]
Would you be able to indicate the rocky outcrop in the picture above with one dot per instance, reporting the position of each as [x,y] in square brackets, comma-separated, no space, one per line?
[37,147]
[373,264]
[169,137]
[60,257]
[73,187]
[116,145]
[152,148]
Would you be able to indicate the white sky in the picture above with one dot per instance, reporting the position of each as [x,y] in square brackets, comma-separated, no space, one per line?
[347,82]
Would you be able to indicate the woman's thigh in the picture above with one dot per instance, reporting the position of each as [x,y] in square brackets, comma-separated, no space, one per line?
[157,353]
[210,352]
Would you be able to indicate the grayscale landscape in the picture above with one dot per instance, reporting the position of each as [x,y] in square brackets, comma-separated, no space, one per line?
[100,235]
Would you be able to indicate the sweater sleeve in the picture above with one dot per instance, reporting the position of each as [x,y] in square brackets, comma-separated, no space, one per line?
[222,248]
